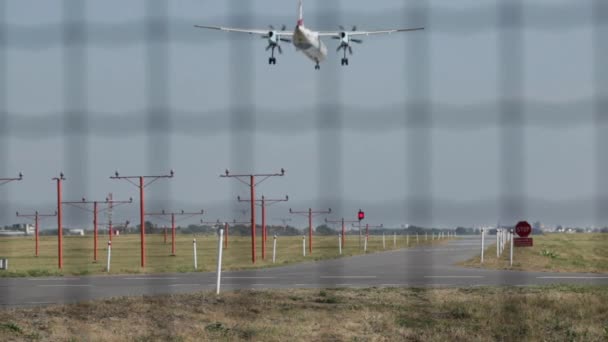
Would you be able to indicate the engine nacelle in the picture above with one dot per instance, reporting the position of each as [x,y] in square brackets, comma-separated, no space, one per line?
[344,38]
[273,37]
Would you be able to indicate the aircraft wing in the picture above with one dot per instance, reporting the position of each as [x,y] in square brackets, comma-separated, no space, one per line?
[369,33]
[239,30]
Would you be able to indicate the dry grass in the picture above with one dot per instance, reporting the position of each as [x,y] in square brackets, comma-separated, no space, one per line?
[78,253]
[480,314]
[552,253]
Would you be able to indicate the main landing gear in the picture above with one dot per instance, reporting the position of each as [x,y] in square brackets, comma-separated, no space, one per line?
[344,61]
[272,61]
[317,66]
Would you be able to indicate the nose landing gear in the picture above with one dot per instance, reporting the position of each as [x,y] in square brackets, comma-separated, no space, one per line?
[272,60]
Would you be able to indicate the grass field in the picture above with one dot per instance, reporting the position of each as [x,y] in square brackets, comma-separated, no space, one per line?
[388,314]
[78,253]
[552,252]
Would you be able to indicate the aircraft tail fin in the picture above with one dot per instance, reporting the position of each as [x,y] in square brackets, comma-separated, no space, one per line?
[300,13]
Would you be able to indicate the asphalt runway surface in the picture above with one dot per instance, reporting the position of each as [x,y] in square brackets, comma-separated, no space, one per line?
[413,267]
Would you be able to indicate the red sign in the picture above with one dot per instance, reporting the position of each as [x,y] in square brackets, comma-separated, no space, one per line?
[523,229]
[522,242]
[361,215]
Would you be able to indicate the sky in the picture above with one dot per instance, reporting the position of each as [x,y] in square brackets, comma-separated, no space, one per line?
[347,137]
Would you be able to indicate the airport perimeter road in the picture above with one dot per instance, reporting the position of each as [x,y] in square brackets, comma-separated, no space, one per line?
[416,267]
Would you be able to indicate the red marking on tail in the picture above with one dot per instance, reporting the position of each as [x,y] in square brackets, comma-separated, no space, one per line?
[300,22]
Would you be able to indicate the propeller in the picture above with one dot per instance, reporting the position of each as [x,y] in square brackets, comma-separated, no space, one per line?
[346,40]
[343,29]
[274,37]
[275,45]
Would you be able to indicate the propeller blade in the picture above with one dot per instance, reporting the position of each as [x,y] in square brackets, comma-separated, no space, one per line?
[339,48]
[350,50]
[271,27]
[265,36]
[341,28]
[280,50]
[286,40]
[354,28]
[334,37]
[358,41]
[284,27]
[268,47]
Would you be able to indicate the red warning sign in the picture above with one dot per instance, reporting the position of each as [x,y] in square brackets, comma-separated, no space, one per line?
[523,229]
[523,242]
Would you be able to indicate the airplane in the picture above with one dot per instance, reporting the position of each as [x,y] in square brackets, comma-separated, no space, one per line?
[308,41]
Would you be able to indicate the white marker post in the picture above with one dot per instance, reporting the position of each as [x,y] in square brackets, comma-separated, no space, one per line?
[194,250]
[394,240]
[511,251]
[303,245]
[220,246]
[340,243]
[274,249]
[497,243]
[109,255]
[407,240]
[425,236]
[383,241]
[417,241]
[482,243]
[365,244]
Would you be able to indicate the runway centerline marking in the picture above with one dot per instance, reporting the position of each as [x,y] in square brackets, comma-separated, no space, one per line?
[65,285]
[248,277]
[455,277]
[348,277]
[151,278]
[51,279]
[184,284]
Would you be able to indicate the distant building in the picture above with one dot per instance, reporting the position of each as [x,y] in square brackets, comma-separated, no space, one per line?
[75,232]
[11,233]
[26,229]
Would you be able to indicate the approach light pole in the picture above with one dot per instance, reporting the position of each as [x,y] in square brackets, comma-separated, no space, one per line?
[368,226]
[8,180]
[250,180]
[310,213]
[263,203]
[83,205]
[173,214]
[59,180]
[343,222]
[141,185]
[37,216]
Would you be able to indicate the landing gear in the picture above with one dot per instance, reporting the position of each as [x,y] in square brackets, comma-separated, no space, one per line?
[344,59]
[272,60]
[317,66]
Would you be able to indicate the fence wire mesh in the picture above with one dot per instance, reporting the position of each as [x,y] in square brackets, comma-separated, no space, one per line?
[85,138]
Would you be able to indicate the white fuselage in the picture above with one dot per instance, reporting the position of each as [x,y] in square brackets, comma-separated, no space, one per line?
[309,43]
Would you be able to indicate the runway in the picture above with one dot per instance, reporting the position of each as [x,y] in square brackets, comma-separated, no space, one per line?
[414,267]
